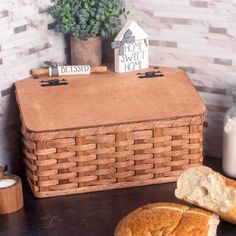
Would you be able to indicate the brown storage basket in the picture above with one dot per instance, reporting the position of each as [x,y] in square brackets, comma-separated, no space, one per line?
[104,157]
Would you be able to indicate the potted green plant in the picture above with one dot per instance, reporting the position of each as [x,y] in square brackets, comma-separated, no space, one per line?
[87,21]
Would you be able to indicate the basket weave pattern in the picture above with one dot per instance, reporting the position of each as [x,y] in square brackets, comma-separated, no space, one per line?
[108,157]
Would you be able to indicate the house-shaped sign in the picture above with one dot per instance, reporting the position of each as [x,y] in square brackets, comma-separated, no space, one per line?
[131,48]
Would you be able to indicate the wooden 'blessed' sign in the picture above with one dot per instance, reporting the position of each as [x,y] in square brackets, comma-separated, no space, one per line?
[131,48]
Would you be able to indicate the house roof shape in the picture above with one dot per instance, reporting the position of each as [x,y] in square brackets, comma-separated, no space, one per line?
[137,31]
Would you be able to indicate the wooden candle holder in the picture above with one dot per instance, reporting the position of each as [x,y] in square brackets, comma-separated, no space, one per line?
[11,197]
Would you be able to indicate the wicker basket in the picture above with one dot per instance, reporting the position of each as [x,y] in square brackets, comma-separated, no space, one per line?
[105,157]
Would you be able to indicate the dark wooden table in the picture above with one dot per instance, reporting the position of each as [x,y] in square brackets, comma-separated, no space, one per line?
[90,214]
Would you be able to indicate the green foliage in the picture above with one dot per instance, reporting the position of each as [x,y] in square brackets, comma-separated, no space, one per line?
[87,18]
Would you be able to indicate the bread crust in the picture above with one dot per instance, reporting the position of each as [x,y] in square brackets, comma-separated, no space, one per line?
[165,219]
[230,214]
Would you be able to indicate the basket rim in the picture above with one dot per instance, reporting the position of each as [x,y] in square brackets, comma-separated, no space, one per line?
[108,125]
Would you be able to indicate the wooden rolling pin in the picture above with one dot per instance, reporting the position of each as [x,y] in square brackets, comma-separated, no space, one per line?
[68,70]
[11,196]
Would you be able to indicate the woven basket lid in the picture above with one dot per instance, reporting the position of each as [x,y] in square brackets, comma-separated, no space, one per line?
[106,99]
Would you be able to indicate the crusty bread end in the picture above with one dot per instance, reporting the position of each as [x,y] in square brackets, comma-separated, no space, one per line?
[206,188]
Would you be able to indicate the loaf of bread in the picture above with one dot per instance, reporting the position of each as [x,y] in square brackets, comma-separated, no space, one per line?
[168,219]
[206,188]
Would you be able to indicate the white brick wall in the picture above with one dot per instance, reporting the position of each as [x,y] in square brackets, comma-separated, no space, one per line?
[25,42]
[200,37]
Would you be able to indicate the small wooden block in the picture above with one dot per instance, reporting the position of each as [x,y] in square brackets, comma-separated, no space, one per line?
[1,172]
[135,54]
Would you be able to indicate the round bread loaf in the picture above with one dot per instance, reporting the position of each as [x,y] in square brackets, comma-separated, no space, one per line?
[168,219]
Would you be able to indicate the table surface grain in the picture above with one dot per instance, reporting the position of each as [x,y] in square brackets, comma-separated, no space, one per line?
[90,214]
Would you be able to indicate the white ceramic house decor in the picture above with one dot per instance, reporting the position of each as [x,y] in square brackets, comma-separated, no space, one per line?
[131,48]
